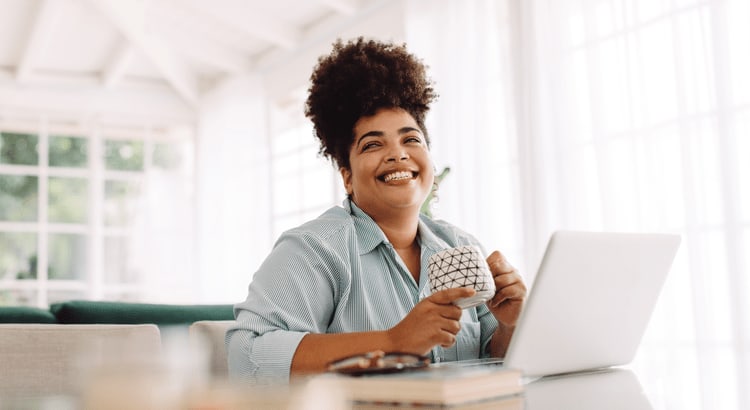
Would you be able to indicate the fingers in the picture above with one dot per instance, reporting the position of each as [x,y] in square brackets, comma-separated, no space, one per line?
[516,291]
[507,279]
[451,341]
[498,264]
[444,319]
[450,329]
[508,282]
[447,296]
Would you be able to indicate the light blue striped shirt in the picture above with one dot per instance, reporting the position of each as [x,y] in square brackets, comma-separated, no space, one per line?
[339,273]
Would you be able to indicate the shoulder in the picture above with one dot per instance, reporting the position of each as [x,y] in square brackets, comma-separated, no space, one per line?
[317,247]
[333,225]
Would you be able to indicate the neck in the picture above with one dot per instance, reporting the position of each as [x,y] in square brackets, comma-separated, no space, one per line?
[400,231]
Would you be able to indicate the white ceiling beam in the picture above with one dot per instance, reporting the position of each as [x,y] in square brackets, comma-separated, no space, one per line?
[192,35]
[86,97]
[206,51]
[43,23]
[345,7]
[285,71]
[116,67]
[178,20]
[129,18]
[253,25]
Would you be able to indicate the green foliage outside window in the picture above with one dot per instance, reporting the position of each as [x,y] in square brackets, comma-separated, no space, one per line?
[18,198]
[68,200]
[19,149]
[166,156]
[66,151]
[124,155]
[17,255]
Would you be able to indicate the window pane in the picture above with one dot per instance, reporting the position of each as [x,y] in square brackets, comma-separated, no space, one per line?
[68,200]
[17,297]
[167,156]
[17,255]
[67,256]
[124,155]
[120,202]
[68,152]
[117,269]
[55,296]
[19,149]
[18,198]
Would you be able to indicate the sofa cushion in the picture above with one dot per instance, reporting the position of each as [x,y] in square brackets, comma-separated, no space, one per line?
[92,312]
[25,314]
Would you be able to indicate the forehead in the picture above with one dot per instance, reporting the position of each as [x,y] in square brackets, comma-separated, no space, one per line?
[385,120]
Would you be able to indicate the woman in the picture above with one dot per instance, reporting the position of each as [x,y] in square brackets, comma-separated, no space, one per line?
[354,280]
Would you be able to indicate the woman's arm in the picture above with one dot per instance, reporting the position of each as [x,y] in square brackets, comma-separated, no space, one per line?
[501,340]
[433,321]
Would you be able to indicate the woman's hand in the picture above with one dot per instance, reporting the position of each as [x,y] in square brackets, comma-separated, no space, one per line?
[510,292]
[433,321]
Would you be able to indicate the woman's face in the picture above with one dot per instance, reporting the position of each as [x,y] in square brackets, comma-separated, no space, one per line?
[391,168]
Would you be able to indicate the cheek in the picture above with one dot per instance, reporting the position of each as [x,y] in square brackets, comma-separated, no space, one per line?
[428,168]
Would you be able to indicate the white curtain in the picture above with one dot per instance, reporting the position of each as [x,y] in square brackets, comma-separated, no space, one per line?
[615,115]
[472,126]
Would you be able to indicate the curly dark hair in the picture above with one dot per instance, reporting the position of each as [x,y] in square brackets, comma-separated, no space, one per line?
[356,80]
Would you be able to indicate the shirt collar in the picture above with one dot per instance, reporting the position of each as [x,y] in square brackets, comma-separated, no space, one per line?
[369,234]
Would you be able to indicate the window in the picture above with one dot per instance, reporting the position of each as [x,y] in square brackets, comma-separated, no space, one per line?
[304,184]
[75,208]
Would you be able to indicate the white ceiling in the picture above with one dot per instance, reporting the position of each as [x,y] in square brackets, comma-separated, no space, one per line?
[173,49]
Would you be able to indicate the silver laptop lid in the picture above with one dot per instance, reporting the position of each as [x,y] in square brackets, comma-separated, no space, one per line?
[590,301]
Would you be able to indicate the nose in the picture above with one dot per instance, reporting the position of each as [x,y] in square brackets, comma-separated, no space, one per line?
[396,155]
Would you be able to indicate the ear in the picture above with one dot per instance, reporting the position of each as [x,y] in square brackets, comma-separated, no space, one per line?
[346,177]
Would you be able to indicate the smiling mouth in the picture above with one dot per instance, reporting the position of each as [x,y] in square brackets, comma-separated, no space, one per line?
[398,176]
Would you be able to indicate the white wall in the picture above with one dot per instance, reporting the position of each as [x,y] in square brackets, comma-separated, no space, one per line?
[232,188]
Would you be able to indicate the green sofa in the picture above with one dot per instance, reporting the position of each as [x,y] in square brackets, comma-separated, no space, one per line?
[102,312]
[24,314]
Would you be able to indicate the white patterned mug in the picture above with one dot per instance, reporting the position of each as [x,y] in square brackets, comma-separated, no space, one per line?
[463,266]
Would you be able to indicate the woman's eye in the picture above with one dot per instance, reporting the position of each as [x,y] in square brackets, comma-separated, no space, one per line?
[414,139]
[369,145]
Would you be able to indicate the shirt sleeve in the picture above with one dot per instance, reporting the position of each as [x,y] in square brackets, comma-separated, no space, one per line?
[293,293]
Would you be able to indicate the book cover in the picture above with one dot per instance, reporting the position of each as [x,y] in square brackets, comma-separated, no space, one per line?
[434,385]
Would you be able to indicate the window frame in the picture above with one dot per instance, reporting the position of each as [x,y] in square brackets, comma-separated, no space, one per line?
[91,284]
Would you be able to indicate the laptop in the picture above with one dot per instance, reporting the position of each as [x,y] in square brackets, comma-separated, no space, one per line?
[590,302]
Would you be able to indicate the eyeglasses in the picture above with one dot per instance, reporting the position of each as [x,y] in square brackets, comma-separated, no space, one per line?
[378,362]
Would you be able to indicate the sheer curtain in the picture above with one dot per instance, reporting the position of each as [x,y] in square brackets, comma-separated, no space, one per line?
[472,126]
[629,115]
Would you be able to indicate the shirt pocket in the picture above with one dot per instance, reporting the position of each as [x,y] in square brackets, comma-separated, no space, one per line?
[468,340]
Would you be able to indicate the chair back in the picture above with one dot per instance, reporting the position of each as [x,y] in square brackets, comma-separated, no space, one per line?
[48,359]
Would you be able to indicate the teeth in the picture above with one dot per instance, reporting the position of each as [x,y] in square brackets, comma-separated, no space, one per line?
[397,175]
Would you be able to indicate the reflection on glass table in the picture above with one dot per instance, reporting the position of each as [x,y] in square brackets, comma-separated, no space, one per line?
[605,389]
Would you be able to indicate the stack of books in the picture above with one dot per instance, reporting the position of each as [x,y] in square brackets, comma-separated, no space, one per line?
[432,386]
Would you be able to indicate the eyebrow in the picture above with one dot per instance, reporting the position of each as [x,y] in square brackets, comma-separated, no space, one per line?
[401,131]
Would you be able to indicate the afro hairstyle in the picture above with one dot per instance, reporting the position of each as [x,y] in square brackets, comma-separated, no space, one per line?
[357,79]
